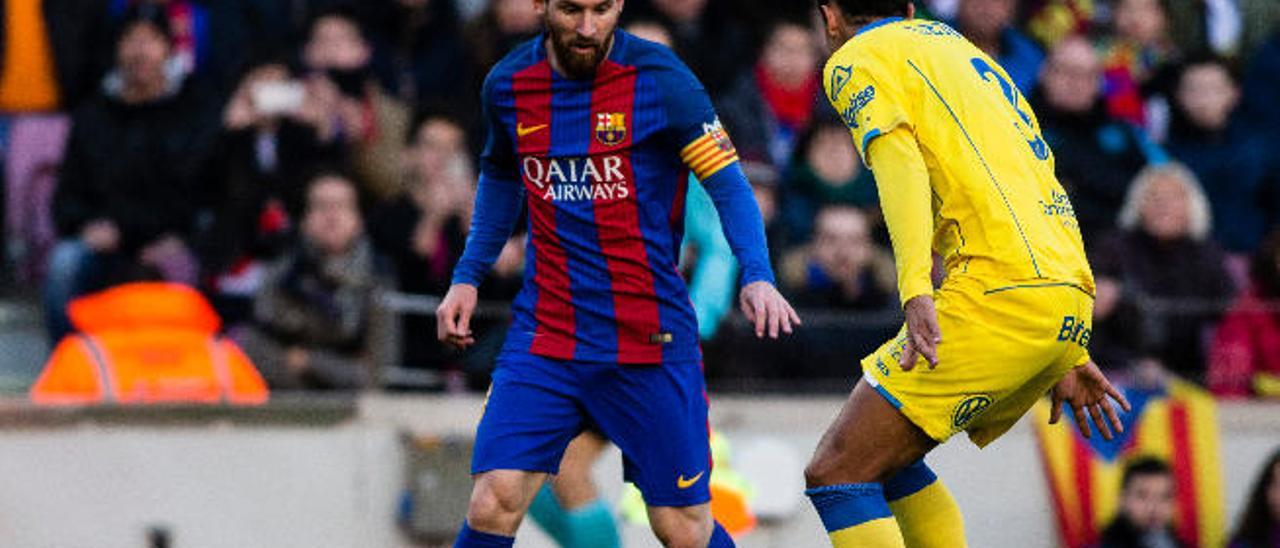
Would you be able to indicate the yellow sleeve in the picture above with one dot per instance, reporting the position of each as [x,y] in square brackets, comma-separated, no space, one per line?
[867,96]
[906,200]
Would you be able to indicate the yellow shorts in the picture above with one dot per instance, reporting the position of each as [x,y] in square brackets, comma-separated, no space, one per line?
[1003,346]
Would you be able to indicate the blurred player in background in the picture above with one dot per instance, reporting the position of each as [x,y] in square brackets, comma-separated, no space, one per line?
[569,507]
[960,163]
[596,132]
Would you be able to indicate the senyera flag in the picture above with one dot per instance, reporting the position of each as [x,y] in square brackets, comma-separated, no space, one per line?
[1177,425]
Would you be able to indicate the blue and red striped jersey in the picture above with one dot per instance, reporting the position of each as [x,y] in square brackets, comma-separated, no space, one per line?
[602,165]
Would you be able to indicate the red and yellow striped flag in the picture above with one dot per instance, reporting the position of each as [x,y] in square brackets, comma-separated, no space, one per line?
[1178,425]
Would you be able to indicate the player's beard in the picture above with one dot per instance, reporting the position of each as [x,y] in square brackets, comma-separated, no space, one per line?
[580,65]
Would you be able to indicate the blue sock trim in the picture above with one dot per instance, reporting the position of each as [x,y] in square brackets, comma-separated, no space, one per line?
[720,538]
[470,538]
[847,505]
[909,481]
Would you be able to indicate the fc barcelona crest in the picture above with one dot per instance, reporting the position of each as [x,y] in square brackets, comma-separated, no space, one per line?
[611,128]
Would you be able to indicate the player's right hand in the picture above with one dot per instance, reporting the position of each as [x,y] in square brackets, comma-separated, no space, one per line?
[767,309]
[923,333]
[453,317]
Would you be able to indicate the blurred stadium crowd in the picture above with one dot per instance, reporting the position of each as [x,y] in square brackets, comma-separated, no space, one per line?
[299,160]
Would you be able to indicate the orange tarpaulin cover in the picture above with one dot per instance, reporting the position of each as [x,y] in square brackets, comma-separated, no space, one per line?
[147,343]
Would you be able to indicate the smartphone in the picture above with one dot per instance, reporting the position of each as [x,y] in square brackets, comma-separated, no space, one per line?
[276,98]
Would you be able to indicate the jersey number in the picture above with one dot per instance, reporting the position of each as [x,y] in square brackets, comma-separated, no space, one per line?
[1027,127]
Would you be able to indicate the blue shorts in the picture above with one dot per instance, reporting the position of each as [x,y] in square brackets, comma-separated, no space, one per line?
[657,416]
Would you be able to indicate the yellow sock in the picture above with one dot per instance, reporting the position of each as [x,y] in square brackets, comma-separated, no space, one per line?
[877,533]
[930,518]
[856,516]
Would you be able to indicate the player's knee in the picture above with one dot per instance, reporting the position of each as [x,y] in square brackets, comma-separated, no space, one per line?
[683,527]
[820,471]
[496,507]
[829,466]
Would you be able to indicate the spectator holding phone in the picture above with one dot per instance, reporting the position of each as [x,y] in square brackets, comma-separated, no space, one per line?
[371,123]
[423,229]
[274,130]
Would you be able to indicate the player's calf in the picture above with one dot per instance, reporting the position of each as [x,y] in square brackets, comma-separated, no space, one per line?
[926,513]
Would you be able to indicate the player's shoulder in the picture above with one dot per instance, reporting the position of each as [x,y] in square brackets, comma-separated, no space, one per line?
[870,47]
[521,57]
[884,48]
[894,37]
[656,61]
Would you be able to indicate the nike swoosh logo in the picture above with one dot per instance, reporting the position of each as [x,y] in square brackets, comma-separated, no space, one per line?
[522,131]
[687,483]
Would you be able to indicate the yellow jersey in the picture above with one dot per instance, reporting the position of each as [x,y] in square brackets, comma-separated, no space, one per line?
[998,211]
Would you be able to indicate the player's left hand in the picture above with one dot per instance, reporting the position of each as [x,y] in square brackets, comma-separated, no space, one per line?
[767,309]
[1085,387]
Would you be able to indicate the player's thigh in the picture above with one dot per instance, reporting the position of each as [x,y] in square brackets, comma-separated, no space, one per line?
[1065,330]
[992,345]
[869,441]
[530,416]
[657,416]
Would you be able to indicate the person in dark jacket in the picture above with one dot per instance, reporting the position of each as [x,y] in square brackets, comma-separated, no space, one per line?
[423,230]
[990,25]
[823,173]
[1160,279]
[705,32]
[318,321]
[1145,519]
[1259,525]
[1096,156]
[126,199]
[370,122]
[769,108]
[426,55]
[841,267]
[1261,86]
[1235,163]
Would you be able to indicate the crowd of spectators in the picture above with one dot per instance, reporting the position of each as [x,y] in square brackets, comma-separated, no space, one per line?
[295,159]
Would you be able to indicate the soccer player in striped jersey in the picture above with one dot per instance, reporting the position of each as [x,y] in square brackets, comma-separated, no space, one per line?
[963,173]
[596,132]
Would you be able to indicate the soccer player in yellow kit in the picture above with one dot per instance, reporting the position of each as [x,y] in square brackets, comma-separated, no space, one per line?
[962,172]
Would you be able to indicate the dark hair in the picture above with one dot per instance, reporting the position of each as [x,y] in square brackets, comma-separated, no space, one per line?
[1256,524]
[324,171]
[824,119]
[1201,58]
[434,112]
[263,59]
[869,8]
[345,11]
[146,14]
[1144,466]
[1170,79]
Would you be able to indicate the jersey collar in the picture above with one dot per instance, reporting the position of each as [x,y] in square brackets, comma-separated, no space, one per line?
[877,23]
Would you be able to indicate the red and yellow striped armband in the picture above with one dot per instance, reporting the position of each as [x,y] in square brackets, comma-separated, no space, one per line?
[710,153]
